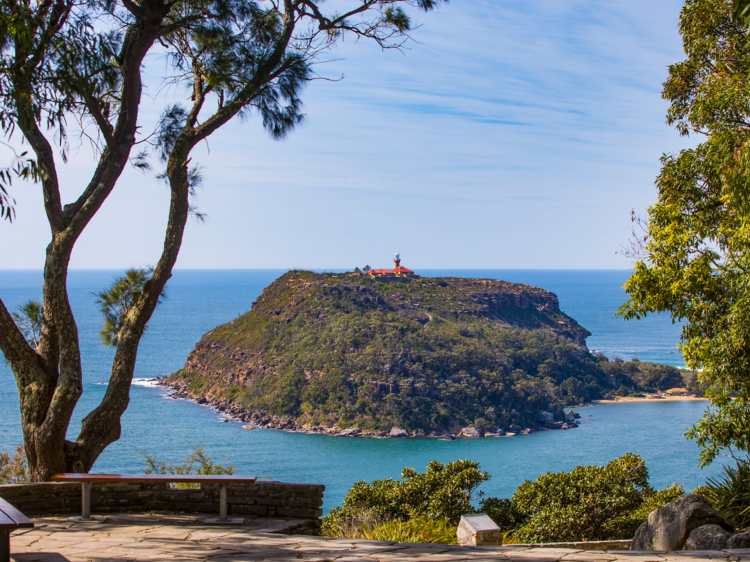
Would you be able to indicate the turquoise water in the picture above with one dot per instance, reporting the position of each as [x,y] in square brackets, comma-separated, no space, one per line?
[199,300]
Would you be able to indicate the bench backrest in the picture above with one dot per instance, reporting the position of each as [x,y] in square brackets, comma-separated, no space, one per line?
[11,517]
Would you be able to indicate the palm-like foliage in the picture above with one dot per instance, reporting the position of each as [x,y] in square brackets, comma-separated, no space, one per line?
[730,493]
[29,319]
[115,302]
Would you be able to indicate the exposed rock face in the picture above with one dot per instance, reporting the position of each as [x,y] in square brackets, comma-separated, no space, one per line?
[470,432]
[351,432]
[669,527]
[398,432]
[707,537]
[740,540]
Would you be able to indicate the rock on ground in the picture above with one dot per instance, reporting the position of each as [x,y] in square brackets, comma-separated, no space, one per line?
[707,537]
[740,540]
[398,432]
[470,432]
[669,527]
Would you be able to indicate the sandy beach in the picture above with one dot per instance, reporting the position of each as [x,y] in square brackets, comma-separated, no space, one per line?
[665,399]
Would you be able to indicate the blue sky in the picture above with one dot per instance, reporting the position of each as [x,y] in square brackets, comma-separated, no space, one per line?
[511,134]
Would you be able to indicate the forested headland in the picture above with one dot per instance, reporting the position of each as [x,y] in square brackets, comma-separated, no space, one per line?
[424,354]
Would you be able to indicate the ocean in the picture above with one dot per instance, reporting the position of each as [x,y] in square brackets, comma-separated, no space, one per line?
[199,300]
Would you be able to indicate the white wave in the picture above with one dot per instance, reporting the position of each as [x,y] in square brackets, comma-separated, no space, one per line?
[146,382]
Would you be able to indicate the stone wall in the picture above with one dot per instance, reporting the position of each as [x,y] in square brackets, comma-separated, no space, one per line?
[261,499]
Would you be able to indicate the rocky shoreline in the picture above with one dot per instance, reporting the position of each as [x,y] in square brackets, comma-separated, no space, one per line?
[260,420]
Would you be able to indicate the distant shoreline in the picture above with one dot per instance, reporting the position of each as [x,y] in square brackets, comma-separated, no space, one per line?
[665,399]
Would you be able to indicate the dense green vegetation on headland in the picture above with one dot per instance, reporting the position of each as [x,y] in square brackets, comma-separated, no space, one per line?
[434,354]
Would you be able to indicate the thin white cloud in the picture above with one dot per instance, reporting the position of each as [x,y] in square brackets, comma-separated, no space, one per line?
[510,134]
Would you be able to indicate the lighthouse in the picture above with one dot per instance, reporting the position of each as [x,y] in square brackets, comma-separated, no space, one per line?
[396,274]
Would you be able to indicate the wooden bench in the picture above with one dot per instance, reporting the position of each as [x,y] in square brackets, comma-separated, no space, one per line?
[87,480]
[10,520]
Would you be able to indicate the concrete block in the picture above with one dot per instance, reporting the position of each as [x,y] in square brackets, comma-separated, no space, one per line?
[478,529]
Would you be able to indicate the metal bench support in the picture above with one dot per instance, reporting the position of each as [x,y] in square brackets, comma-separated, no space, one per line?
[221,480]
[4,545]
[86,501]
[222,503]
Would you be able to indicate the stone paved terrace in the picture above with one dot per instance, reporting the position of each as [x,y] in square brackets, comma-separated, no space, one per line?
[182,538]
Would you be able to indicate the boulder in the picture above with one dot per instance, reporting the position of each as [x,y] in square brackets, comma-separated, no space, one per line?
[352,431]
[669,527]
[470,432]
[249,427]
[740,540]
[398,432]
[707,537]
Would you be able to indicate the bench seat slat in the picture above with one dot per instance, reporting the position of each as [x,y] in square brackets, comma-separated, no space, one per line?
[6,521]
[151,478]
[12,513]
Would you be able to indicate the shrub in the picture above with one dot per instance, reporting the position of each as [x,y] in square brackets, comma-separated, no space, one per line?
[417,529]
[13,467]
[197,462]
[503,512]
[588,503]
[442,492]
[730,493]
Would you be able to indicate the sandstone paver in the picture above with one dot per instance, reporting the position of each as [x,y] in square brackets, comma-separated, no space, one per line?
[184,538]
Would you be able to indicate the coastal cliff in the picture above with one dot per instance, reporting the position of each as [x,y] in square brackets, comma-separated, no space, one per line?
[424,355]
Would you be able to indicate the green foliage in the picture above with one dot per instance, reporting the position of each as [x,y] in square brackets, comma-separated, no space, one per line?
[693,258]
[197,462]
[422,354]
[13,467]
[416,529]
[503,512]
[588,503]
[115,302]
[730,493]
[741,13]
[442,492]
[633,377]
[29,319]
[23,168]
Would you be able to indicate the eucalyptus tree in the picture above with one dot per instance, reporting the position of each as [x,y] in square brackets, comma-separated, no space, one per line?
[694,253]
[82,62]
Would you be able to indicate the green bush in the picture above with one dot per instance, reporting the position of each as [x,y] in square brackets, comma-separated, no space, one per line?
[589,503]
[417,529]
[503,512]
[442,492]
[197,462]
[730,494]
[13,467]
